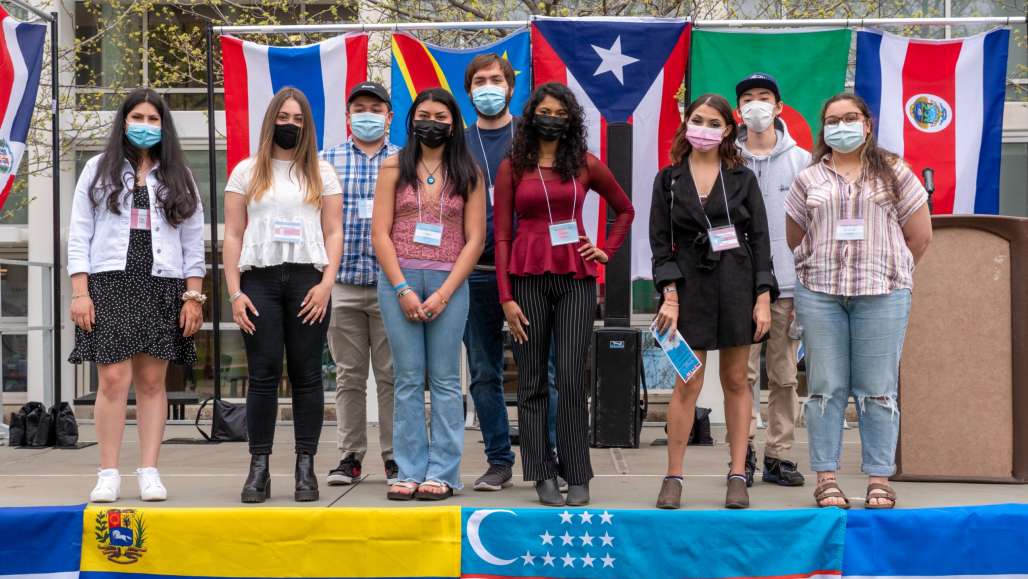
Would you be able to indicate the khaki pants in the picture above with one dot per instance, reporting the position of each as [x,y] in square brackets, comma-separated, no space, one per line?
[782,400]
[356,333]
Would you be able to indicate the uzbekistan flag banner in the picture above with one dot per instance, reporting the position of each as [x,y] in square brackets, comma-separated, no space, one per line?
[419,66]
[624,70]
[127,543]
[40,542]
[325,72]
[21,57]
[609,544]
[809,67]
[939,105]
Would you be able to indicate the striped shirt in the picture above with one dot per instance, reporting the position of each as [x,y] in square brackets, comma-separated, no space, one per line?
[358,174]
[880,263]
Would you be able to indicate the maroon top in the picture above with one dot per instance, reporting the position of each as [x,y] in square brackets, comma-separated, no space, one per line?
[528,250]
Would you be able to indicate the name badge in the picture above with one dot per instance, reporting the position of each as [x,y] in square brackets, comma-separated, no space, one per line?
[723,238]
[364,208]
[140,219]
[849,230]
[428,234]
[563,233]
[288,231]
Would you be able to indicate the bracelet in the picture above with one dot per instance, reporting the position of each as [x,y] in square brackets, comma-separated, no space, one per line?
[400,286]
[194,296]
[77,296]
[235,296]
[404,292]
[669,289]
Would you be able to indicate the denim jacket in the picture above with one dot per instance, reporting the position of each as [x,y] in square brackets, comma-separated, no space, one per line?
[98,240]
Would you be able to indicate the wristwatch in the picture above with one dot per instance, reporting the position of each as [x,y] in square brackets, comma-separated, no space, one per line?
[194,296]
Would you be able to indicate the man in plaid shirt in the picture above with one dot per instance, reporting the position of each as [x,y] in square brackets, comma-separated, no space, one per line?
[356,332]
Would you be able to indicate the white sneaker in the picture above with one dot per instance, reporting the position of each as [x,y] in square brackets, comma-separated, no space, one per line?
[108,485]
[150,486]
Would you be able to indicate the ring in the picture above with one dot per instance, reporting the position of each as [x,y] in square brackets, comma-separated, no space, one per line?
[429,315]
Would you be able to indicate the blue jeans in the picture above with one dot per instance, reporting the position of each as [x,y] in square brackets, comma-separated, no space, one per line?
[433,347]
[853,348]
[483,337]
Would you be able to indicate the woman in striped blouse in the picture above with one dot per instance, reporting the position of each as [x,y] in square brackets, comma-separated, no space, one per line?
[857,222]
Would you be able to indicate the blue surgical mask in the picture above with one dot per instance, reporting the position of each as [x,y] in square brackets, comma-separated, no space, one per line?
[490,100]
[367,127]
[845,137]
[143,135]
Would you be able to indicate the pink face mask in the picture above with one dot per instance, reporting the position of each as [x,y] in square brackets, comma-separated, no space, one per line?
[703,138]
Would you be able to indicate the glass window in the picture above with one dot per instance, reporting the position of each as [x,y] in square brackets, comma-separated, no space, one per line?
[199,163]
[14,291]
[108,41]
[13,351]
[1013,184]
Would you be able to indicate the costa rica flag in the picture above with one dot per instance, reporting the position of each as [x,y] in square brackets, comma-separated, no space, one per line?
[21,57]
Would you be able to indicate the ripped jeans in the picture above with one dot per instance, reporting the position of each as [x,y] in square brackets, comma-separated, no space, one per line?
[853,347]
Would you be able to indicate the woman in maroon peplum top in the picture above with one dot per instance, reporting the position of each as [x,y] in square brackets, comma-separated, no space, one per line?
[546,269]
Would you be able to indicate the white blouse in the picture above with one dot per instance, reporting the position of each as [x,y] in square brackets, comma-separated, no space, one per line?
[282,206]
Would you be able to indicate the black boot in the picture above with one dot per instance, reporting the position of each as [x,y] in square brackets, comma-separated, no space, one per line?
[257,487]
[782,472]
[549,492]
[751,463]
[578,495]
[306,482]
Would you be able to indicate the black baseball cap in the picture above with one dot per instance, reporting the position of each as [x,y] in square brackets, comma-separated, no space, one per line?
[758,80]
[371,89]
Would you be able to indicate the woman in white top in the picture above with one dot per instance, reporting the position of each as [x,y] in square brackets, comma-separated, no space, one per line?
[283,243]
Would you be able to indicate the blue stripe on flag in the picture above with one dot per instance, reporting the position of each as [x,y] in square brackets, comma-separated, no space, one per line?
[401,102]
[869,71]
[40,539]
[972,541]
[300,67]
[986,198]
[30,39]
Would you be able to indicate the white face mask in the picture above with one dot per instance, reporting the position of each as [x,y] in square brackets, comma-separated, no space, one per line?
[758,115]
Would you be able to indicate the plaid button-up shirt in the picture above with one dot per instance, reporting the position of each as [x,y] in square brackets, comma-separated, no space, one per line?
[357,174]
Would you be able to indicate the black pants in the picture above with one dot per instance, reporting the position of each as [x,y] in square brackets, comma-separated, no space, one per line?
[562,307]
[277,293]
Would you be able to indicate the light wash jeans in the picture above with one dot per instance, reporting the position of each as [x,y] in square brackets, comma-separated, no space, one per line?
[853,349]
[433,347]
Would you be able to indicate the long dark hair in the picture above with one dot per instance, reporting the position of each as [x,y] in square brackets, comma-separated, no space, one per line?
[176,193]
[876,162]
[729,152]
[570,156]
[460,167]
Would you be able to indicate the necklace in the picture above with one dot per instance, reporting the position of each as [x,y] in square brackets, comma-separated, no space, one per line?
[431,174]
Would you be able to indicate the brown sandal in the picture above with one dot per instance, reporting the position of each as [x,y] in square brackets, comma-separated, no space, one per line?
[426,495]
[410,486]
[887,493]
[830,489]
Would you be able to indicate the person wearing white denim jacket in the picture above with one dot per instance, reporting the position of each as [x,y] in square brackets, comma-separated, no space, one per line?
[135,246]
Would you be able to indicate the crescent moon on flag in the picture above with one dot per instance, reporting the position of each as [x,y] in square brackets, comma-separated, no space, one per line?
[474,522]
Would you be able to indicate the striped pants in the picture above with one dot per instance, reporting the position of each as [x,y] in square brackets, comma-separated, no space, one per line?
[564,308]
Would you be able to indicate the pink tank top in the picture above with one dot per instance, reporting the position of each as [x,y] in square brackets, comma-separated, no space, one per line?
[405,218]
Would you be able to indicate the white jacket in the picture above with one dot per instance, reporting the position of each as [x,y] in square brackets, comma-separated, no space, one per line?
[98,240]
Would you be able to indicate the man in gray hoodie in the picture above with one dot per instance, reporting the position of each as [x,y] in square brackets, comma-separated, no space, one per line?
[776,160]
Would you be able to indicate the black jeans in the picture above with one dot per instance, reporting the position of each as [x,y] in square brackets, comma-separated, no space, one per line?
[277,293]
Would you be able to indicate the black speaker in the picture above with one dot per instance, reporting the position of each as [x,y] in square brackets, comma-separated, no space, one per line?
[617,407]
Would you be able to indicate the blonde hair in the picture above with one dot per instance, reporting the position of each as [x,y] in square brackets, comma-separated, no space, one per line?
[305,161]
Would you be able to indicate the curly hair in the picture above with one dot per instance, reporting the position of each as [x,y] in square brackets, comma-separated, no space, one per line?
[571,150]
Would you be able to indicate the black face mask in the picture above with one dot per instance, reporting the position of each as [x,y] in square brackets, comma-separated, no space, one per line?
[431,133]
[550,128]
[286,135]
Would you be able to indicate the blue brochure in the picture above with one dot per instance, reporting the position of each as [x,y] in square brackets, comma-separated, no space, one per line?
[678,352]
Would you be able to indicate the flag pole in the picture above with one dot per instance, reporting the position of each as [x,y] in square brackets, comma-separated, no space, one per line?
[212,159]
[52,17]
[55,146]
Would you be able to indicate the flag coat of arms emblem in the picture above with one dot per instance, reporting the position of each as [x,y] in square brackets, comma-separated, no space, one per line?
[21,58]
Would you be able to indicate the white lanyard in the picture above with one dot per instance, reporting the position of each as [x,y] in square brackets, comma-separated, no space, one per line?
[442,189]
[481,144]
[724,193]
[546,194]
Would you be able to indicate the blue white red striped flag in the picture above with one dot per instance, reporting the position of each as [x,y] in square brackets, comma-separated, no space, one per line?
[40,542]
[325,72]
[939,105]
[21,58]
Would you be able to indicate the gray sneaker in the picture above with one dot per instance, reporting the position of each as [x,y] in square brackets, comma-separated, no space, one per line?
[498,477]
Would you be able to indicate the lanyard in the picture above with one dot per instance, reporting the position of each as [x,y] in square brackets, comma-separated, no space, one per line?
[546,194]
[481,144]
[724,193]
[442,189]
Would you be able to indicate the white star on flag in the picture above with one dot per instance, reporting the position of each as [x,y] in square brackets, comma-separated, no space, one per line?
[587,539]
[548,559]
[586,517]
[608,561]
[529,558]
[608,541]
[565,517]
[569,561]
[606,518]
[566,538]
[587,561]
[613,61]
[547,538]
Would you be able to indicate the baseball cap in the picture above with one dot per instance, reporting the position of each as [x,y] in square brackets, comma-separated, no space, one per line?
[371,89]
[758,80]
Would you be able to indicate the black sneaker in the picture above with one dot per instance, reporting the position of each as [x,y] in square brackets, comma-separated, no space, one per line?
[751,463]
[782,472]
[392,472]
[497,477]
[348,472]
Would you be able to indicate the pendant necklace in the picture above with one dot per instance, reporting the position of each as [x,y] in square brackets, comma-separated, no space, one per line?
[431,174]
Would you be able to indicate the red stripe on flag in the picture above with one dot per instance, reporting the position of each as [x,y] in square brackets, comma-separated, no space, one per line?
[670,117]
[419,63]
[6,77]
[356,65]
[6,190]
[930,68]
[237,117]
[601,227]
[546,65]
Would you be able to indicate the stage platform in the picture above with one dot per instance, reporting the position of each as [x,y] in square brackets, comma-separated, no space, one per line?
[210,475]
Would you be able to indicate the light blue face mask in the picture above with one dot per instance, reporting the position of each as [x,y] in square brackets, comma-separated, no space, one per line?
[490,100]
[367,127]
[143,135]
[845,137]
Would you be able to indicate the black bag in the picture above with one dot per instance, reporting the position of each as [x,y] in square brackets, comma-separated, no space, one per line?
[17,432]
[700,434]
[228,423]
[37,425]
[64,429]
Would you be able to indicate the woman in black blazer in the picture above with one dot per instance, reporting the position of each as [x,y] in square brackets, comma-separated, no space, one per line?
[712,266]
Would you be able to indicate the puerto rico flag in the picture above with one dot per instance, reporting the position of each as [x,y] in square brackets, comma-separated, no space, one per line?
[939,105]
[621,70]
[21,57]
[325,72]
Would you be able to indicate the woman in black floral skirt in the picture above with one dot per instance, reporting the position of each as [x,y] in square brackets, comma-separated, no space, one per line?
[136,260]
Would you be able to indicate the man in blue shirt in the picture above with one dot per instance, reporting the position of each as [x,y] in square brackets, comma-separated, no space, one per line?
[489,81]
[356,331]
